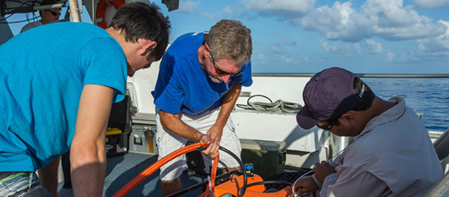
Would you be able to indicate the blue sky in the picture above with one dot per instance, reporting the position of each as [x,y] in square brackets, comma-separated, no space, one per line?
[306,36]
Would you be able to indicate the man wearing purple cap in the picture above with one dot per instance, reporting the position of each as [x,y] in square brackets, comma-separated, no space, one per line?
[392,154]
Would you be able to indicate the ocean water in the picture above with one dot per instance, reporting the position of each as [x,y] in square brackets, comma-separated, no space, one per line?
[424,95]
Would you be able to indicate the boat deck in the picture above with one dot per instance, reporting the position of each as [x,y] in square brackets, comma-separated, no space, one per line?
[123,168]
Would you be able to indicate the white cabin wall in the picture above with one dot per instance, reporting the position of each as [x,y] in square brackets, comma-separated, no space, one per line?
[140,87]
[284,88]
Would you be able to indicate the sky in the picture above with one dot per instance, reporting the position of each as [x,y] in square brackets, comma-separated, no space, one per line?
[306,36]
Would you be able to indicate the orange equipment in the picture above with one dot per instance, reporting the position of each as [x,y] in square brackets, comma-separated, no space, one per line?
[252,186]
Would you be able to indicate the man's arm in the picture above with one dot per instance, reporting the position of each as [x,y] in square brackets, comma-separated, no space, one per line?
[354,185]
[312,183]
[306,184]
[229,100]
[88,156]
[172,123]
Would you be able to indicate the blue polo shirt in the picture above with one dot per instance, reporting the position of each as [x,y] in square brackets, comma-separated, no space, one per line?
[183,86]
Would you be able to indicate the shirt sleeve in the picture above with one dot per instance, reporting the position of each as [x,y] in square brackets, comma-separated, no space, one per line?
[348,184]
[105,64]
[168,94]
[245,79]
[317,182]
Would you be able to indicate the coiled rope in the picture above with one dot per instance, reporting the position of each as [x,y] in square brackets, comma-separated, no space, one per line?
[277,106]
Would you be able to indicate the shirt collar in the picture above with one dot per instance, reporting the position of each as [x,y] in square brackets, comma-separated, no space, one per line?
[390,115]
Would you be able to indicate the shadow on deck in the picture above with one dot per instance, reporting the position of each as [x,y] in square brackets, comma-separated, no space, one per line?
[122,169]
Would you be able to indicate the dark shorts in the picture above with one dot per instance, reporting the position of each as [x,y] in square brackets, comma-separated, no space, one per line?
[23,184]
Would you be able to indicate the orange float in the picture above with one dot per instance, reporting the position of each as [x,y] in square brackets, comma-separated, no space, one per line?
[101,9]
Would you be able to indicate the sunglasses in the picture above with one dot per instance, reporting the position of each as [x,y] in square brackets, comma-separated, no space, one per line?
[54,13]
[222,72]
[329,124]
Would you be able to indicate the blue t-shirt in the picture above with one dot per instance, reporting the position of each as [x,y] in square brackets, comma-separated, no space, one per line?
[182,84]
[42,73]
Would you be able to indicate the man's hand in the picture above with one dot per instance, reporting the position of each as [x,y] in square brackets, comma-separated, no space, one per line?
[323,170]
[215,133]
[306,184]
[212,150]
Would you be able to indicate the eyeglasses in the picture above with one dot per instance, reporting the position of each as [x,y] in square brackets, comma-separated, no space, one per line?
[326,126]
[54,13]
[222,72]
[329,124]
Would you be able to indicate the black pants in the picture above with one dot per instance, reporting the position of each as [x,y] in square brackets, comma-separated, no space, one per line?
[65,160]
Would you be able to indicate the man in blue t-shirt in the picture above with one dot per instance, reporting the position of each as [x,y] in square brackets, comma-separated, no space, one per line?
[199,81]
[57,93]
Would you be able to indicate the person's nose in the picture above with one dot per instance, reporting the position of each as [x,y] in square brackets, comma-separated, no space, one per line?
[226,78]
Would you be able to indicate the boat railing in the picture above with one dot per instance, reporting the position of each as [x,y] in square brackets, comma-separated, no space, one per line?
[360,75]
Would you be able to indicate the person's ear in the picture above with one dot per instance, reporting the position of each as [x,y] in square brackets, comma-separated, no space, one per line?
[207,47]
[349,118]
[146,46]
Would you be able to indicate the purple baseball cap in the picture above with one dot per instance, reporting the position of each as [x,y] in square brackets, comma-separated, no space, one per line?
[328,94]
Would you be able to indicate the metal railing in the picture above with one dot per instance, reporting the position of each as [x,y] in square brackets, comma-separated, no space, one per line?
[360,75]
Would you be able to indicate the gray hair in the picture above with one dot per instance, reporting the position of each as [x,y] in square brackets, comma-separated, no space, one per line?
[231,40]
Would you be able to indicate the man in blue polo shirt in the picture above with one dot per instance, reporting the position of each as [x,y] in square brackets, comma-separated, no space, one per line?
[57,93]
[199,81]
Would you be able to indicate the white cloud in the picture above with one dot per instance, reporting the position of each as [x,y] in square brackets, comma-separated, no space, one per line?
[286,40]
[425,4]
[337,22]
[188,6]
[276,49]
[236,12]
[435,48]
[306,59]
[336,49]
[287,59]
[388,19]
[210,16]
[402,58]
[409,57]
[230,11]
[373,46]
[262,58]
[390,56]
[287,8]
[392,21]
[357,48]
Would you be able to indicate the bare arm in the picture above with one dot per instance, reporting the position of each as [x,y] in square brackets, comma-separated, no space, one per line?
[229,100]
[172,123]
[48,177]
[88,156]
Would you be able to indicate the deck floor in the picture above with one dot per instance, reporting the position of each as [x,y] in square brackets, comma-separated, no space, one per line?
[122,169]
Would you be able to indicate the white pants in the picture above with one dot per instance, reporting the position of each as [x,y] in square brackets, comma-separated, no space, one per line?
[169,142]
